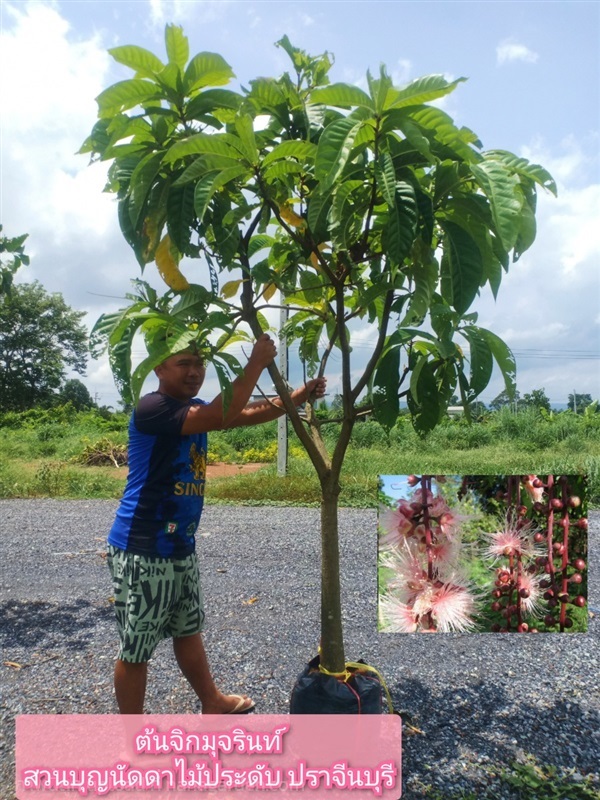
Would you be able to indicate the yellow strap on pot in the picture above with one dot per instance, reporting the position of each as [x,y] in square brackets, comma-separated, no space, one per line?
[357,665]
[346,675]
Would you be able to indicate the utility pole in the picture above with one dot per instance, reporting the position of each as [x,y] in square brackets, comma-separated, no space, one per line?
[282,422]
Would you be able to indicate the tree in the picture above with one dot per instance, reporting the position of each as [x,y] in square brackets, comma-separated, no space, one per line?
[579,402]
[40,336]
[75,392]
[535,399]
[504,399]
[353,207]
[12,256]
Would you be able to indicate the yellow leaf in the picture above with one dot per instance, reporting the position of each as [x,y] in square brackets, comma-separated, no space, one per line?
[230,288]
[13,664]
[270,290]
[250,602]
[289,215]
[167,266]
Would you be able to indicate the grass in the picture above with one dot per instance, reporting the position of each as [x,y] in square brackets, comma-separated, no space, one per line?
[530,780]
[39,452]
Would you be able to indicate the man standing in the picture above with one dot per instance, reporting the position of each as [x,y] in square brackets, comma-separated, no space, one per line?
[151,551]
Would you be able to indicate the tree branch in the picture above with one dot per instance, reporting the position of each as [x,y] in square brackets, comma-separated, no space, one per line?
[385,318]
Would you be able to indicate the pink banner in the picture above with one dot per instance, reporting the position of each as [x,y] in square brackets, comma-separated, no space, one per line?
[172,757]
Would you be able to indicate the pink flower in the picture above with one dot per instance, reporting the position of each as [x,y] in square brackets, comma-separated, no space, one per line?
[396,616]
[512,541]
[530,583]
[452,608]
[395,527]
[438,507]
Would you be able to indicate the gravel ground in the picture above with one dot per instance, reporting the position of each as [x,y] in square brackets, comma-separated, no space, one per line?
[480,701]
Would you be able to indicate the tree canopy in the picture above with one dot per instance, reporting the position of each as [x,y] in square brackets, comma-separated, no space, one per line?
[40,337]
[353,208]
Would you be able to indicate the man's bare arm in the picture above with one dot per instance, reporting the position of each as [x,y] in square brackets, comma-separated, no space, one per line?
[211,417]
[266,410]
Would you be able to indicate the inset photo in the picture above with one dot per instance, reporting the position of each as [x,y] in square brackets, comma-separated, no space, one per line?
[482,553]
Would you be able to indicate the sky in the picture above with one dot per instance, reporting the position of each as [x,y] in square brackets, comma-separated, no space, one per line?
[533,71]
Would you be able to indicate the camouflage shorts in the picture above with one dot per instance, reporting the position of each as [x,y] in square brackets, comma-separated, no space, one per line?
[155,598]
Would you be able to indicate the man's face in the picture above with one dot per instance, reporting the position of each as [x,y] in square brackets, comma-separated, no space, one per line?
[181,375]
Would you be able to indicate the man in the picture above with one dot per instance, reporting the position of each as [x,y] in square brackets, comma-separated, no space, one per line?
[152,542]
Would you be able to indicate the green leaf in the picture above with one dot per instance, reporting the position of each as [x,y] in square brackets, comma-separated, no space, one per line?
[386,178]
[291,148]
[523,167]
[246,137]
[423,400]
[201,143]
[319,206]
[206,69]
[259,242]
[481,361]
[464,266]
[145,63]
[501,189]
[141,182]
[399,231]
[125,94]
[178,49]
[211,183]
[504,358]
[280,169]
[334,149]
[425,277]
[423,90]
[527,231]
[180,215]
[342,95]
[386,403]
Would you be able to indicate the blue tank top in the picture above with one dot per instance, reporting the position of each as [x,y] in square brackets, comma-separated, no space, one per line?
[164,494]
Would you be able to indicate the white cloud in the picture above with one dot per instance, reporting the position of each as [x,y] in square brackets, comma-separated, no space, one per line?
[511,50]
[201,11]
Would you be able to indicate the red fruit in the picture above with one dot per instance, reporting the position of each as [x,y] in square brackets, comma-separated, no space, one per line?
[524,593]
[545,584]
[540,507]
[568,622]
[495,627]
[549,620]
[496,593]
[537,483]
[522,510]
[556,504]
[553,602]
[582,524]
[563,597]
[505,613]
[574,501]
[541,561]
[412,480]
[576,577]
[538,537]
[579,601]
[534,630]
[496,606]
[523,627]
[512,609]
[503,630]
[558,548]
[579,564]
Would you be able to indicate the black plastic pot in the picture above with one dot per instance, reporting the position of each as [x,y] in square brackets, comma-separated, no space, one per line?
[316,692]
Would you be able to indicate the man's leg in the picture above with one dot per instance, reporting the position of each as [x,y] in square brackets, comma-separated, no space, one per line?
[130,686]
[191,657]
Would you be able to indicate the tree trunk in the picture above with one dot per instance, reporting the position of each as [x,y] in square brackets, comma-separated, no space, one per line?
[332,638]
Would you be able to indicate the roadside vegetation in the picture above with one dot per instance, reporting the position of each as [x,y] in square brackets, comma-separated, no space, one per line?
[69,453]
